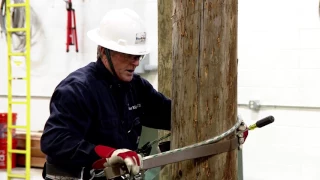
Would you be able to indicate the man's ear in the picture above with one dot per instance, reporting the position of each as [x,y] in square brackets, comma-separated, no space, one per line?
[101,50]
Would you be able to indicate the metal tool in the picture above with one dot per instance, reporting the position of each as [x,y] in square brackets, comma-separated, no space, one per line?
[146,149]
[198,150]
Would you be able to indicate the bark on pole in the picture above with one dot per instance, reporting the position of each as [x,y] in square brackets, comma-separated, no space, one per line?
[164,61]
[204,86]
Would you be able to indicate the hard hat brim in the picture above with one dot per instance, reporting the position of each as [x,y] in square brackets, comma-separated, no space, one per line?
[134,50]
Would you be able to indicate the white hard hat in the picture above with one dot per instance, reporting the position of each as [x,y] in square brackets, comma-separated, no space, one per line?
[121,30]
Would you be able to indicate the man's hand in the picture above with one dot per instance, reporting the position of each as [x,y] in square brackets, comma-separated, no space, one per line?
[112,157]
[242,133]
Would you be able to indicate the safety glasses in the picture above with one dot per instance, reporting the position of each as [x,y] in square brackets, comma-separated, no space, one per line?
[130,56]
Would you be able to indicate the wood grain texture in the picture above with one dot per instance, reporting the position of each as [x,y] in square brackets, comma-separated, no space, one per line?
[164,62]
[204,83]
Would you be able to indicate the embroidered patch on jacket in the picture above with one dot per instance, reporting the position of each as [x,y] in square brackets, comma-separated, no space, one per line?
[134,107]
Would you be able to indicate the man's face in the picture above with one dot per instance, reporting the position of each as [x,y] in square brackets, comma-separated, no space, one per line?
[124,65]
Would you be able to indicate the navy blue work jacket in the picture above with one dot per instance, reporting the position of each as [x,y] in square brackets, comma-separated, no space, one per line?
[90,107]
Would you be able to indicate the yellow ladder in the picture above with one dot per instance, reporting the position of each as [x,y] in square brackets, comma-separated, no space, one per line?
[11,127]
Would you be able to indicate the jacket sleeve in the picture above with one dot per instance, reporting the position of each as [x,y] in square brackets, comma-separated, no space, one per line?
[157,108]
[64,131]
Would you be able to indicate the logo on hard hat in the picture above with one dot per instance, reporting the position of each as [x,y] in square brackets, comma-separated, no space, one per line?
[140,38]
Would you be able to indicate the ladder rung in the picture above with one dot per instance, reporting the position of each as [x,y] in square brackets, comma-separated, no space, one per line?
[21,176]
[17,54]
[16,5]
[16,29]
[18,78]
[18,102]
[17,151]
[17,127]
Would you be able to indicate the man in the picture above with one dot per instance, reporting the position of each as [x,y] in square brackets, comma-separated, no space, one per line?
[97,112]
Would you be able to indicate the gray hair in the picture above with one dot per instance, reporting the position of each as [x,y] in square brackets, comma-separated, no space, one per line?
[98,52]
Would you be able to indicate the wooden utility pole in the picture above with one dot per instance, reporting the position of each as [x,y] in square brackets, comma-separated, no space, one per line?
[164,61]
[204,92]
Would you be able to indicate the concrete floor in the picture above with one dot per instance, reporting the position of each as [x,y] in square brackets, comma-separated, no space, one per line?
[35,173]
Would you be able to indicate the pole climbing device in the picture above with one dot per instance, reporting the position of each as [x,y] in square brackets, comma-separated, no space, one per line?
[212,146]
